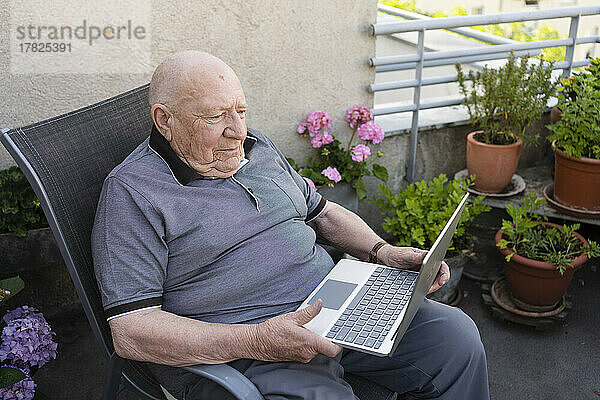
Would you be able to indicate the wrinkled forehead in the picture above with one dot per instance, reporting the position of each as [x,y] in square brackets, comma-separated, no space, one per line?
[212,89]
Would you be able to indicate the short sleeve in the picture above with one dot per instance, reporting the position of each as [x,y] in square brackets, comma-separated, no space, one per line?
[129,251]
[314,201]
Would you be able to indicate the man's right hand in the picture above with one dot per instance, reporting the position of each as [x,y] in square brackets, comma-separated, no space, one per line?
[284,338]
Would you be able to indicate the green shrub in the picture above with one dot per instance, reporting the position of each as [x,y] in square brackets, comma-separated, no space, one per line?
[417,215]
[505,101]
[20,210]
[578,131]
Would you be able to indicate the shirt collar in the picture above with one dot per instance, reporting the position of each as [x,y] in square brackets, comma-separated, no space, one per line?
[182,173]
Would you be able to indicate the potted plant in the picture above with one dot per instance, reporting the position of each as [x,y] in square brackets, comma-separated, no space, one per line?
[567,90]
[503,102]
[540,256]
[26,344]
[417,214]
[576,142]
[338,171]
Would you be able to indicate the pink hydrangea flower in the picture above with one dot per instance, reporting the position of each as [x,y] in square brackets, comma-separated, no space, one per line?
[358,115]
[370,131]
[360,152]
[316,121]
[319,139]
[310,183]
[332,174]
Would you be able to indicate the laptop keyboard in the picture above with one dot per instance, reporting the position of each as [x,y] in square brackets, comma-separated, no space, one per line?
[371,314]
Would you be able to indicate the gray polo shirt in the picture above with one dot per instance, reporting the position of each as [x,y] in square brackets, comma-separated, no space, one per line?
[234,250]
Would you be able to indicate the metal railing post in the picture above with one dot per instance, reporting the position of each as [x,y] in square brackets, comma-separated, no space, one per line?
[571,48]
[414,132]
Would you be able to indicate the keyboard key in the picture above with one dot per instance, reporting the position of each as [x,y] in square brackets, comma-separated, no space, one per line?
[342,333]
[370,342]
[334,329]
[330,335]
[378,345]
[351,336]
[359,340]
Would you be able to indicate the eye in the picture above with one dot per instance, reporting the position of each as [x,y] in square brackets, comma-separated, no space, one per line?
[242,113]
[215,118]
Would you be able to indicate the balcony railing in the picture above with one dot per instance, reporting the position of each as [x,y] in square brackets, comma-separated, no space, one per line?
[498,48]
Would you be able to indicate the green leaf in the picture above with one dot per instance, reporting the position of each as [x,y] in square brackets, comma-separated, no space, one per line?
[10,376]
[14,285]
[380,172]
[361,192]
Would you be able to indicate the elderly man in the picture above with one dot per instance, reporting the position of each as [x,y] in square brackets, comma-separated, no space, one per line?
[204,246]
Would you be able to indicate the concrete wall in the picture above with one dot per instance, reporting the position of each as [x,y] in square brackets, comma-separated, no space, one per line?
[292,58]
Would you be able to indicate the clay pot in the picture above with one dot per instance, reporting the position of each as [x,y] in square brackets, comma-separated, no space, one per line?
[555,114]
[538,283]
[576,181]
[493,165]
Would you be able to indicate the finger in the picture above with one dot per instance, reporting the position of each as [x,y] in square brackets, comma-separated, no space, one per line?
[328,348]
[305,315]
[434,287]
[444,274]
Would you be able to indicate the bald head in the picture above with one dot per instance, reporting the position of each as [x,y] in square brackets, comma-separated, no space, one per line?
[198,105]
[183,72]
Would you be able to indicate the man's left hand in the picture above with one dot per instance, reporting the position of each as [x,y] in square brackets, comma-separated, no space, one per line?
[411,258]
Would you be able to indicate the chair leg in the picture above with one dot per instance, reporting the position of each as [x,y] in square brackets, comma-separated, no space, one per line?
[112,379]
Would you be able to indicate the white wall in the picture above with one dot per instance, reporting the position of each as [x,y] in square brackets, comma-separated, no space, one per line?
[292,58]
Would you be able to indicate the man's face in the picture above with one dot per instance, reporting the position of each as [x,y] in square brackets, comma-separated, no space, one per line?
[209,126]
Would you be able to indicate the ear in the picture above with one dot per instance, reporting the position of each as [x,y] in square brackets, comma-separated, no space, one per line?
[162,119]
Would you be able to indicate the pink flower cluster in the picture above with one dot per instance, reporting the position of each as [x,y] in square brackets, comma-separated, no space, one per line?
[332,174]
[316,121]
[360,152]
[319,139]
[370,131]
[358,115]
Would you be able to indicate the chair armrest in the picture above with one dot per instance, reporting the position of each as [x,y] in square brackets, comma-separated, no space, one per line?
[228,377]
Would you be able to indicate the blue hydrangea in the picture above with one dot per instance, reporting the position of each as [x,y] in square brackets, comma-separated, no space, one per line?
[27,339]
[22,390]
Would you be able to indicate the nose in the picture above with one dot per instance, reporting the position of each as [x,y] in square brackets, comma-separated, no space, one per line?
[236,126]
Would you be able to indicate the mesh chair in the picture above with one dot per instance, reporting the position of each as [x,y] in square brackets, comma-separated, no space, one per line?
[66,159]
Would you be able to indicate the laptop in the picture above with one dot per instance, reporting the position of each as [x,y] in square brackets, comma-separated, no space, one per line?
[368,307]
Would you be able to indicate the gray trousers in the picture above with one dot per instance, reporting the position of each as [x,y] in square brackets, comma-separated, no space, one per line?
[440,357]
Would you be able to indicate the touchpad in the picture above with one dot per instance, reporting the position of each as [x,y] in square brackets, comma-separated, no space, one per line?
[333,293]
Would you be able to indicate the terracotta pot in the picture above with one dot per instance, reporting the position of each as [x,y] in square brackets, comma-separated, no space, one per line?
[555,114]
[493,165]
[538,283]
[576,181]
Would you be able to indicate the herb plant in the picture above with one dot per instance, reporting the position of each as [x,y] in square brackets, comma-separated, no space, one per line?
[505,101]
[577,133]
[528,236]
[20,210]
[417,214]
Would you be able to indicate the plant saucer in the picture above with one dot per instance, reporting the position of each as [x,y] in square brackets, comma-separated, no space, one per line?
[577,212]
[516,186]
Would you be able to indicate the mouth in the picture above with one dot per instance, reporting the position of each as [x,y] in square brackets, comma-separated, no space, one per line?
[229,151]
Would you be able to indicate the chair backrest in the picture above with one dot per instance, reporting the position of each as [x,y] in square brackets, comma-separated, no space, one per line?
[66,159]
